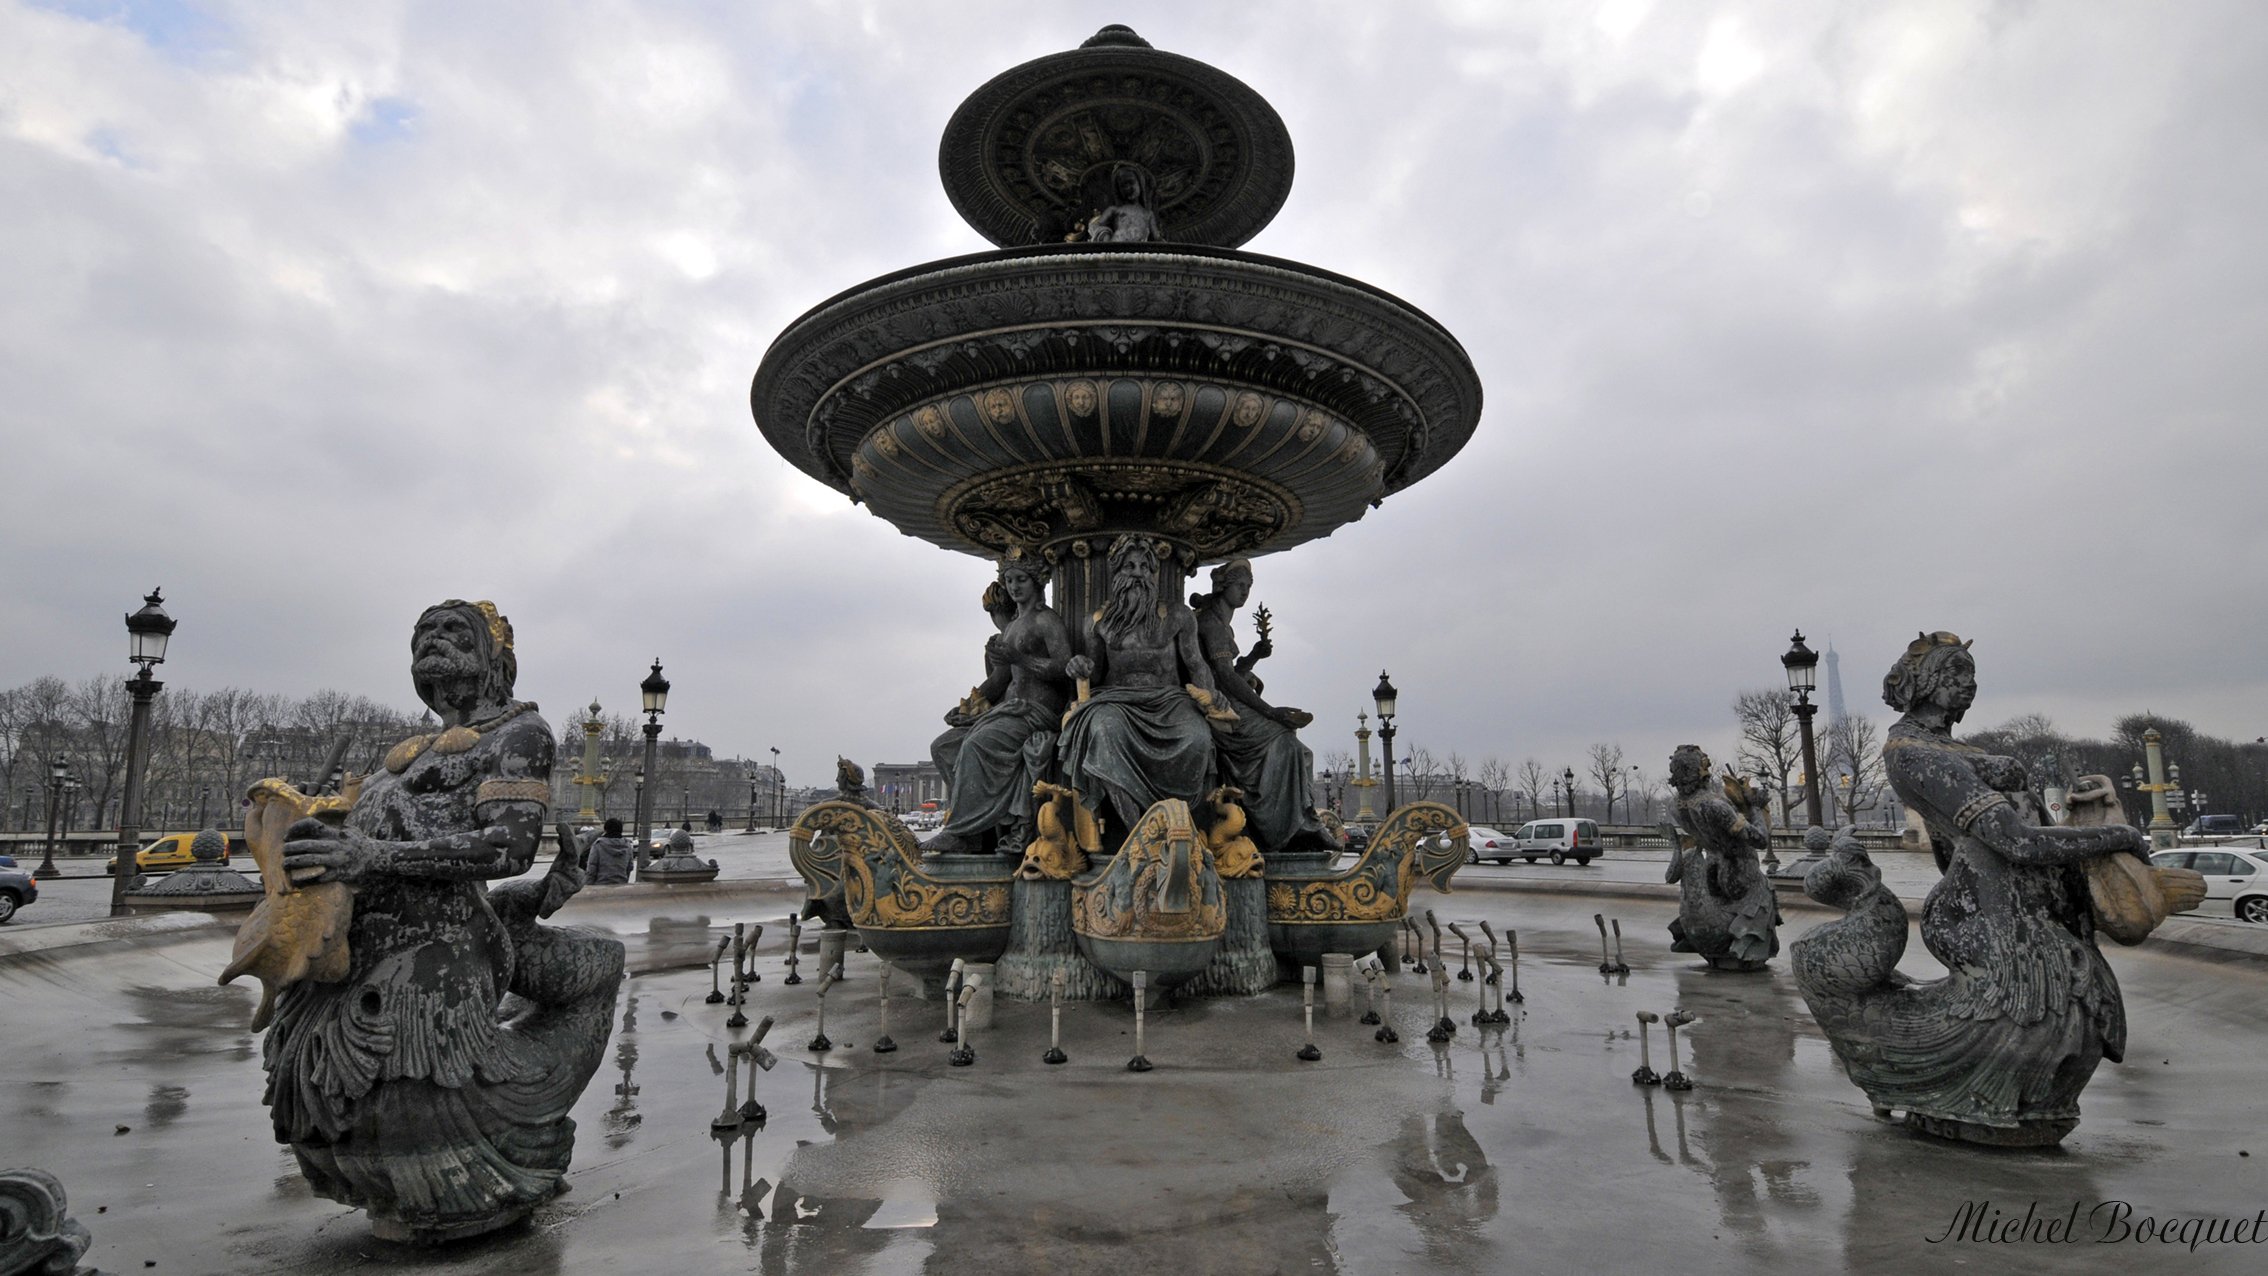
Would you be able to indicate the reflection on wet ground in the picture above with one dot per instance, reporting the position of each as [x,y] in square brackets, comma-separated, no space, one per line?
[1504,1148]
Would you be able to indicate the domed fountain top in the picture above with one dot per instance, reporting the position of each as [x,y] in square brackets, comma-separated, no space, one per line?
[1035,149]
[1073,386]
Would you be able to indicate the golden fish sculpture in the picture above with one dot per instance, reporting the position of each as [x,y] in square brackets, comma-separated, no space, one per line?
[297,932]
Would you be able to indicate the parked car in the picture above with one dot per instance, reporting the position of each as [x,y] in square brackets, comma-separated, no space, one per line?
[1562,839]
[2236,880]
[1489,844]
[2215,826]
[16,890]
[170,852]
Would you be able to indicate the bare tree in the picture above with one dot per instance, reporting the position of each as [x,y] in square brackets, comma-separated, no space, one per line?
[1854,750]
[1340,764]
[1648,789]
[1771,741]
[1495,778]
[1531,782]
[1424,773]
[100,709]
[1608,769]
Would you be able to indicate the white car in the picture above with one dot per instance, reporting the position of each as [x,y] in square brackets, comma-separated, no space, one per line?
[2236,879]
[1565,838]
[1489,844]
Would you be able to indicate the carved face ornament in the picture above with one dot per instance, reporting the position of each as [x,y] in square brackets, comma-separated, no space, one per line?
[1249,410]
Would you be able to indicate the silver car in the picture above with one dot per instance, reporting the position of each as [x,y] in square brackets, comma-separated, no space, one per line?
[2236,879]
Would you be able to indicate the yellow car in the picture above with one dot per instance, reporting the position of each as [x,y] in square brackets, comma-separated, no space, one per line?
[170,852]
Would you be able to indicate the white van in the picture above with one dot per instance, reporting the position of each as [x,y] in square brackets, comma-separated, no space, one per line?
[1562,839]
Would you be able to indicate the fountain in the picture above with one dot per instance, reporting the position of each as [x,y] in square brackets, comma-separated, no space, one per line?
[1112,399]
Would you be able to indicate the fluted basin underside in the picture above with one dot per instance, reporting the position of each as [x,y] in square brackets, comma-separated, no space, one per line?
[1233,403]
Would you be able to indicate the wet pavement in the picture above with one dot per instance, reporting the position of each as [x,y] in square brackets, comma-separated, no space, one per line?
[1511,1149]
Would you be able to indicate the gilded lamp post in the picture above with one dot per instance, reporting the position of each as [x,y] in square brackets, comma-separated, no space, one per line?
[2154,782]
[1364,781]
[589,780]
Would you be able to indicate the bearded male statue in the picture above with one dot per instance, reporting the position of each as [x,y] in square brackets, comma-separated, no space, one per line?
[1140,735]
[431,1084]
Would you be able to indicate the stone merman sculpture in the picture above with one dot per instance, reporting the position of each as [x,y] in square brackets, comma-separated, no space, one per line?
[1998,1050]
[1259,751]
[431,1083]
[1726,912]
[1010,744]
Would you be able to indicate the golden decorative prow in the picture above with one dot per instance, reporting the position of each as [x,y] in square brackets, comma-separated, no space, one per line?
[297,932]
[1067,836]
[1221,821]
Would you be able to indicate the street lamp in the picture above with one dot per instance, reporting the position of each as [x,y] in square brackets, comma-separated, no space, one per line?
[779,792]
[1568,773]
[1802,665]
[653,698]
[751,799]
[1384,695]
[58,771]
[147,632]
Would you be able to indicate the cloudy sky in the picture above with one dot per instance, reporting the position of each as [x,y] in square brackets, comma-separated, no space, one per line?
[1864,318]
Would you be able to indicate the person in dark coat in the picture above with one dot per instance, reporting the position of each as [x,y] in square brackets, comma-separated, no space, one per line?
[610,856]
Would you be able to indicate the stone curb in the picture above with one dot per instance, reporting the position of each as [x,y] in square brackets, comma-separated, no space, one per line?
[2176,932]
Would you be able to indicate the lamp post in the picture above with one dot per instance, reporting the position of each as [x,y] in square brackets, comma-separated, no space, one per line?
[147,631]
[779,792]
[606,789]
[1383,694]
[1556,803]
[2154,782]
[752,774]
[1802,665]
[1568,774]
[588,812]
[653,698]
[204,803]
[58,771]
